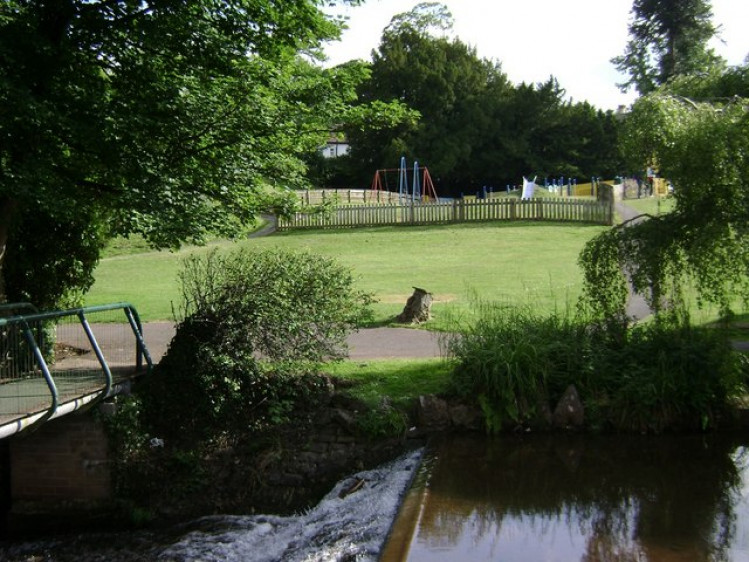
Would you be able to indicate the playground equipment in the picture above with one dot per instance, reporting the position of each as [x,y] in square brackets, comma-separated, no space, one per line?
[422,187]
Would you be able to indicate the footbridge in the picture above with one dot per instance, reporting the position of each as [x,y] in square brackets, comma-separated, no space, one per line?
[56,363]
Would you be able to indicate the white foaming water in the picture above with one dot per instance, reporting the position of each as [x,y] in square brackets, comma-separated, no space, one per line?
[350,523]
[338,528]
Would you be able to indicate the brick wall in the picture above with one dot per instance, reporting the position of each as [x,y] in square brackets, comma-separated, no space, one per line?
[65,459]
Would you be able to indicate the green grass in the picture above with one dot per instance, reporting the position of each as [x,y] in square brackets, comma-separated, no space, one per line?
[528,263]
[403,379]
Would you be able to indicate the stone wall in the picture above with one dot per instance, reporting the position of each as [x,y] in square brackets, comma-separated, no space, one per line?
[66,459]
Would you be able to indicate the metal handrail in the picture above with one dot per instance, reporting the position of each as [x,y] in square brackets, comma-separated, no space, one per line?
[25,321]
[18,306]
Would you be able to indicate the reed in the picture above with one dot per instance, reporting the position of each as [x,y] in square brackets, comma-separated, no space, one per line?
[515,363]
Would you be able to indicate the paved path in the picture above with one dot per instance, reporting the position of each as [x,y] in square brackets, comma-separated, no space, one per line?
[369,343]
[637,308]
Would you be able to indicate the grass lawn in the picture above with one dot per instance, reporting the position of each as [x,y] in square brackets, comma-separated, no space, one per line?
[403,379]
[529,263]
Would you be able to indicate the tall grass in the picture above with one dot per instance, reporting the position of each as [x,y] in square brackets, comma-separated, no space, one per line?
[516,363]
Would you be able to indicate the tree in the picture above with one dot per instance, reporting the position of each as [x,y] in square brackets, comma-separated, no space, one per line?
[168,119]
[702,147]
[668,38]
[444,81]
[476,128]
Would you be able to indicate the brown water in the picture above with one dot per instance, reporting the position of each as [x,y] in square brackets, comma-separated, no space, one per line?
[574,498]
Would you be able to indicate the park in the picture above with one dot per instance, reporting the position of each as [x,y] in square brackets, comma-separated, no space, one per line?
[586,337]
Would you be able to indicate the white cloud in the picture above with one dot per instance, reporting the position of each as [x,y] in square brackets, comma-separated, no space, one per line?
[534,39]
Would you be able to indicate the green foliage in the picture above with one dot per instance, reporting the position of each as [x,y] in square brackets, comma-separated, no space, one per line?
[169,120]
[667,39]
[201,394]
[651,377]
[702,149]
[51,259]
[242,310]
[670,375]
[476,128]
[511,360]
[383,421]
[605,291]
[281,304]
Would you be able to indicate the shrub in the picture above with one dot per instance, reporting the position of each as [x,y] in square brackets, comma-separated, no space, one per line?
[512,360]
[281,304]
[672,375]
[243,355]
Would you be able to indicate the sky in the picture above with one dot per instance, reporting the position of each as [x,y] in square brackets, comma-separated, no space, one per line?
[573,40]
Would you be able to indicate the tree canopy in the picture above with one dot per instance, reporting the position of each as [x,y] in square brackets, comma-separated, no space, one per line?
[701,144]
[668,38]
[168,119]
[476,128]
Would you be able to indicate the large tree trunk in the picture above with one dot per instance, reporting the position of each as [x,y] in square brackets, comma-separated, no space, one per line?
[7,210]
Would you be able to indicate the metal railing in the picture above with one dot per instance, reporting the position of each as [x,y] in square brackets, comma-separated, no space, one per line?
[54,363]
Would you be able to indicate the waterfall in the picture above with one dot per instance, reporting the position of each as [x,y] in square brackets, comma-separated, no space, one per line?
[351,522]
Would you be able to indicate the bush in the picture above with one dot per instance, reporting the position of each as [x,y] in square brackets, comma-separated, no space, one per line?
[672,375]
[242,358]
[513,361]
[283,305]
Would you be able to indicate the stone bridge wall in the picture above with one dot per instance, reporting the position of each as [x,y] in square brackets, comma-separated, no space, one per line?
[66,459]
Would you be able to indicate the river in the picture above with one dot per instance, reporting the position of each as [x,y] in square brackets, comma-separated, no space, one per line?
[566,498]
[519,498]
[350,523]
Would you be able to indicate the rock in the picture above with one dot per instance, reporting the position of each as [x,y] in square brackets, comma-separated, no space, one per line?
[345,419]
[569,412]
[433,413]
[418,308]
[466,418]
[544,417]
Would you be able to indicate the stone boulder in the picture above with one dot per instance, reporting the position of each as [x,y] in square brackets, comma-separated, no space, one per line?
[466,418]
[433,414]
[569,413]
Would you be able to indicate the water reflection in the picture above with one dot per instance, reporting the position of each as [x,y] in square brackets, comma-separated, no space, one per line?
[548,498]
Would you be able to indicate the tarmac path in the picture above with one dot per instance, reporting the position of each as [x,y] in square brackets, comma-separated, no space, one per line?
[368,343]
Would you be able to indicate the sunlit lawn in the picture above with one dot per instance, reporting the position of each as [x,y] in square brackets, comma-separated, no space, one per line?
[652,205]
[403,378]
[528,263]
[523,263]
